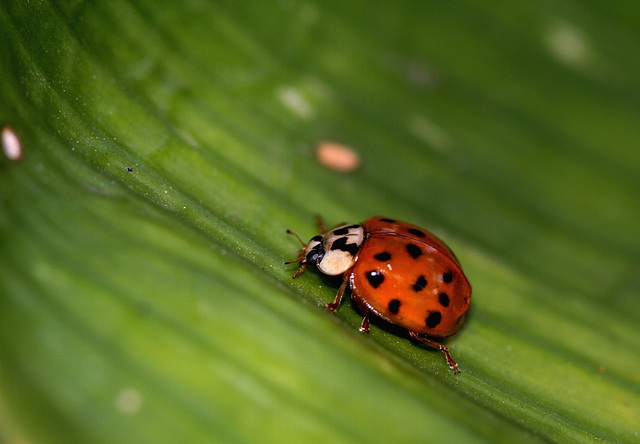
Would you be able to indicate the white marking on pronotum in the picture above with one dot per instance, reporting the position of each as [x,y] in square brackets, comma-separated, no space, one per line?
[11,144]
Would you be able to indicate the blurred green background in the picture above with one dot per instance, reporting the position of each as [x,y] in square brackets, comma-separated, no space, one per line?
[167,146]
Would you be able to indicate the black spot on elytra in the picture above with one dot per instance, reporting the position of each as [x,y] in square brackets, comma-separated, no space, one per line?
[341,244]
[421,282]
[375,278]
[447,277]
[444,299]
[394,306]
[382,257]
[414,250]
[433,319]
[416,232]
[391,221]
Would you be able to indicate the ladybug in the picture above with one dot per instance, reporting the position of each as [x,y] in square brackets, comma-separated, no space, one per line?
[396,271]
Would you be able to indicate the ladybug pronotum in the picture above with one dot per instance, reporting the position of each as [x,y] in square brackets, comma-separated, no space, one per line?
[396,271]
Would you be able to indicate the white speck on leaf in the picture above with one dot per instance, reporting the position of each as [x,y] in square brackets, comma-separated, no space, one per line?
[568,44]
[129,401]
[428,132]
[11,144]
[296,102]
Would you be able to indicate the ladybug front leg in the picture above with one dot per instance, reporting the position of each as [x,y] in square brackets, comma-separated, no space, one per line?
[333,306]
[364,327]
[435,344]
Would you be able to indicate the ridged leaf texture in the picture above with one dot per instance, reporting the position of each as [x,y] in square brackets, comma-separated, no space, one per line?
[167,146]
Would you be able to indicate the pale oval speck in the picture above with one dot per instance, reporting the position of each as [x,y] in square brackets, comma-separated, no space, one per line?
[296,102]
[568,44]
[129,401]
[11,144]
[337,157]
[429,133]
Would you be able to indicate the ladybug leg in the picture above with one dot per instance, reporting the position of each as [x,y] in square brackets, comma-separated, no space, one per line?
[333,306]
[443,348]
[364,327]
[364,310]
[320,224]
[303,266]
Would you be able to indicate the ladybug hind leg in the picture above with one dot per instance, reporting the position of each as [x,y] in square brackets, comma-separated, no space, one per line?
[365,312]
[435,344]
[364,327]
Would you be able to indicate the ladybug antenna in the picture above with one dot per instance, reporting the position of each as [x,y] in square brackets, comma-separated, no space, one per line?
[297,237]
[302,260]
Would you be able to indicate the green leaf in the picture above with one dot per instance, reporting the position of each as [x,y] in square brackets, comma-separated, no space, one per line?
[167,146]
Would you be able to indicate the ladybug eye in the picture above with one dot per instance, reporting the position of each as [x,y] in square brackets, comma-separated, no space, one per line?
[315,255]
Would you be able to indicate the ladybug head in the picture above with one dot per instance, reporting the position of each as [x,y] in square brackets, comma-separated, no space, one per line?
[314,251]
[336,251]
[333,253]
